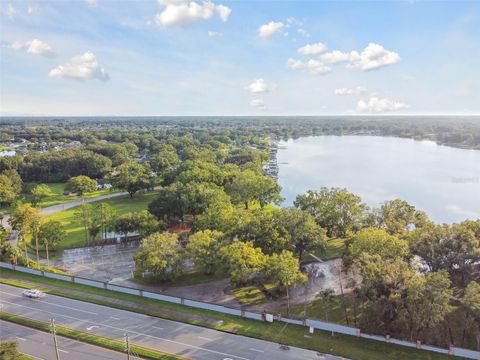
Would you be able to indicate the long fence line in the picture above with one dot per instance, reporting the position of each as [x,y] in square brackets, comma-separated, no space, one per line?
[311,324]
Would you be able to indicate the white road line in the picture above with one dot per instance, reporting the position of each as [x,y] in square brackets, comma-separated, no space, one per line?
[114,318]
[33,356]
[47,302]
[63,351]
[19,338]
[204,338]
[261,351]
[158,328]
[134,332]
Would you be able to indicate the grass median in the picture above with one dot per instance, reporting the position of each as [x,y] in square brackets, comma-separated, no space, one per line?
[321,341]
[101,341]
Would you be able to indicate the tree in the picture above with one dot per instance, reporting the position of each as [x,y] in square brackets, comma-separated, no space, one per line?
[247,186]
[200,171]
[397,216]
[9,351]
[26,219]
[284,270]
[203,248]
[471,306]
[336,210]
[84,213]
[40,192]
[147,223]
[7,192]
[160,255]
[425,302]
[454,248]
[81,185]
[167,205]
[126,223]
[303,232]
[164,161]
[133,177]
[244,262]
[50,234]
[105,216]
[370,242]
[9,252]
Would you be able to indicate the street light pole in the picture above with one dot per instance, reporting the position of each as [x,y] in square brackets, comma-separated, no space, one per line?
[54,333]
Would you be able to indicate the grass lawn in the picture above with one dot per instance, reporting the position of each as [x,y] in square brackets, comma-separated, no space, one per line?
[343,345]
[122,204]
[57,196]
[249,295]
[192,277]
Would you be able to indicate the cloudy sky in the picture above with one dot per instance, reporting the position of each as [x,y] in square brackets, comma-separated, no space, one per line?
[176,57]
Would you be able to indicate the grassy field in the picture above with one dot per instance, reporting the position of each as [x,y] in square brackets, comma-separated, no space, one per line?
[57,196]
[122,204]
[343,345]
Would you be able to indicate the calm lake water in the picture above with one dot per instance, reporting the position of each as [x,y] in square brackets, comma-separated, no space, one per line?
[443,181]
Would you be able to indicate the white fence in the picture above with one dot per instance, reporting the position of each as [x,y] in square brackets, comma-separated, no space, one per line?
[315,324]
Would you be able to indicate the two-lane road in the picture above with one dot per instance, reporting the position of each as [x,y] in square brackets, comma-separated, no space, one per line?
[39,345]
[178,338]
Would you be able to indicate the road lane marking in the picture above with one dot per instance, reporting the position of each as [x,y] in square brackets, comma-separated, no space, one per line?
[204,338]
[19,338]
[134,332]
[114,318]
[156,327]
[47,302]
[261,351]
[34,357]
[63,351]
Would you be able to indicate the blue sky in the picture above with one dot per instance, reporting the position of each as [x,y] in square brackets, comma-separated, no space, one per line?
[176,57]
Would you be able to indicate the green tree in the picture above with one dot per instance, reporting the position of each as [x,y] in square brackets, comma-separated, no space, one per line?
[40,192]
[7,191]
[26,219]
[9,351]
[164,161]
[105,216]
[248,186]
[126,223]
[9,252]
[160,255]
[133,177]
[397,216]
[203,248]
[284,270]
[244,262]
[147,223]
[84,213]
[50,234]
[81,185]
[370,242]
[336,210]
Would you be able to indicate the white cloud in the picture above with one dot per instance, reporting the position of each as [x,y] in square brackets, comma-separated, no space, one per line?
[373,57]
[313,49]
[335,56]
[259,86]
[303,32]
[34,47]
[38,47]
[270,29]
[317,67]
[295,64]
[375,104]
[92,3]
[224,12]
[257,103]
[214,33]
[10,11]
[351,91]
[81,67]
[184,12]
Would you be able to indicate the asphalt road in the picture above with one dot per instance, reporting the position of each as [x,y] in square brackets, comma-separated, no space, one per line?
[39,345]
[182,339]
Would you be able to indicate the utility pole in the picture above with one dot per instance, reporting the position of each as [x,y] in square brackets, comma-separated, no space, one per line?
[127,346]
[54,333]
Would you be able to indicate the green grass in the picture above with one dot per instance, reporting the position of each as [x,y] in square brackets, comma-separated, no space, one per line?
[122,204]
[57,196]
[101,341]
[343,345]
[192,277]
[249,295]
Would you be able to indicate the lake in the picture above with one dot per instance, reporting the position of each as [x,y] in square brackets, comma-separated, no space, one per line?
[440,180]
